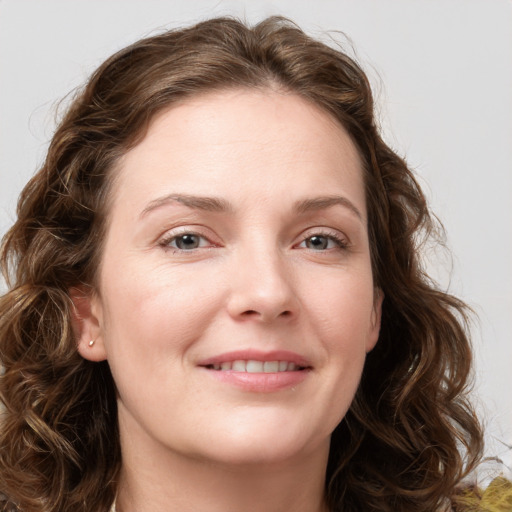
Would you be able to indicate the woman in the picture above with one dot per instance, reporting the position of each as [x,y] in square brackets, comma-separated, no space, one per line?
[216,300]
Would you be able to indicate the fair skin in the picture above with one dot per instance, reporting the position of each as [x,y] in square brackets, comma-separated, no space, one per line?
[235,303]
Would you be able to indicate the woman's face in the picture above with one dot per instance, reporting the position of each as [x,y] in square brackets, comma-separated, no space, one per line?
[236,302]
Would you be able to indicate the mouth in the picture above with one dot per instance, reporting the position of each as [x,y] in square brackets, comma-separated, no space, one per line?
[256,366]
[258,372]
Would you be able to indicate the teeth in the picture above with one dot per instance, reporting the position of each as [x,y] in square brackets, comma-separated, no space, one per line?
[283,366]
[271,366]
[239,366]
[253,366]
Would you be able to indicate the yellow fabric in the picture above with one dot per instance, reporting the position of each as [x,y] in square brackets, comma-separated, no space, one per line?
[497,497]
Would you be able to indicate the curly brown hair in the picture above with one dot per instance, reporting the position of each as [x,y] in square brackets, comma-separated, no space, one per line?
[410,435]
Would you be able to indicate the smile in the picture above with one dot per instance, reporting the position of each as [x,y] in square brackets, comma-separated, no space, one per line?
[254,366]
[257,371]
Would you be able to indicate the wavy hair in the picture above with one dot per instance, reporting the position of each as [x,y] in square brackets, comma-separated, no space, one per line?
[410,435]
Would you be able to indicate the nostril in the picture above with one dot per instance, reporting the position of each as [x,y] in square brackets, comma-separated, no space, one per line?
[253,312]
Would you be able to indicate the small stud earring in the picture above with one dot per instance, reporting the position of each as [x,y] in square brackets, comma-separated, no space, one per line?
[91,343]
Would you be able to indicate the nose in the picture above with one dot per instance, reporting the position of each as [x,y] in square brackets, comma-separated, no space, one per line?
[262,288]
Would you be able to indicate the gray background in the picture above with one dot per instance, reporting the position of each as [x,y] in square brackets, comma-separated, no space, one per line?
[442,74]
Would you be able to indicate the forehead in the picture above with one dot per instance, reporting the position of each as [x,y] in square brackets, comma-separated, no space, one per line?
[232,142]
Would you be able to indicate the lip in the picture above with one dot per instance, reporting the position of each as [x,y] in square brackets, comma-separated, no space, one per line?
[258,382]
[258,355]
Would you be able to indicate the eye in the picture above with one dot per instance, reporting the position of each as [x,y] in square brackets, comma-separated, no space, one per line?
[186,242]
[322,242]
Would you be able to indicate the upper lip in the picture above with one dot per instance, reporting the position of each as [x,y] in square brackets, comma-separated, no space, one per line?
[256,355]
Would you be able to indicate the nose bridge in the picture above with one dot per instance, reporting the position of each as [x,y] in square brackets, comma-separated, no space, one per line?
[262,285]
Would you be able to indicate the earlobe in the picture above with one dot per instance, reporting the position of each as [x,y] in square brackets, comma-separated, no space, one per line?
[375,320]
[87,323]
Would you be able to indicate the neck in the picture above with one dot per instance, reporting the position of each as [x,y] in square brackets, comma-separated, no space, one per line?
[160,480]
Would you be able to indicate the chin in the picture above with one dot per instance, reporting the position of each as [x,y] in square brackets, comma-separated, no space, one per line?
[255,454]
[264,443]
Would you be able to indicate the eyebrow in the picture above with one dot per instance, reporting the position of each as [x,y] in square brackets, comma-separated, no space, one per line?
[218,205]
[324,202]
[209,204]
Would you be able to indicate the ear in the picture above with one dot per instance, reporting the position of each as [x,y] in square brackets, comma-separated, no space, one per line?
[87,323]
[375,320]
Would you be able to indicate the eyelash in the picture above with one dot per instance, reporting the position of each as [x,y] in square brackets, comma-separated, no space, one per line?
[168,240]
[340,241]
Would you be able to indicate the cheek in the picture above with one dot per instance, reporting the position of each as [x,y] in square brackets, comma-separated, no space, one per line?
[342,304]
[342,315]
[152,320]
[156,310]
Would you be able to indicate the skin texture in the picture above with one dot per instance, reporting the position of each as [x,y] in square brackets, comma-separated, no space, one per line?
[257,274]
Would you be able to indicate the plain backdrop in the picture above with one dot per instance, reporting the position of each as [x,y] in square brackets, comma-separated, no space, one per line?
[442,75]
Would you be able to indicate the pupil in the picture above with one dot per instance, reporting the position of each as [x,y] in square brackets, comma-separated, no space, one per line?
[187,242]
[317,242]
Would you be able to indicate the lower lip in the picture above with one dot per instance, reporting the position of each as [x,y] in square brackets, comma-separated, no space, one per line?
[260,382]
